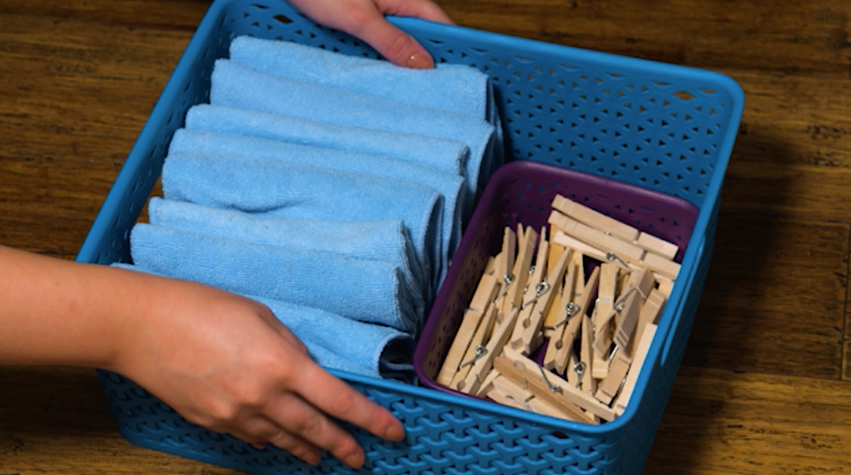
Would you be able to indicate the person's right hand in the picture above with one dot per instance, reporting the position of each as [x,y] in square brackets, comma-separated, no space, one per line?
[226,363]
[365,20]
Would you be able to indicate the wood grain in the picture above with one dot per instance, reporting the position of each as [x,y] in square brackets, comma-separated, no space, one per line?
[726,422]
[774,298]
[802,38]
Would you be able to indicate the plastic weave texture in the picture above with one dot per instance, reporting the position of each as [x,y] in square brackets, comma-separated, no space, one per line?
[661,127]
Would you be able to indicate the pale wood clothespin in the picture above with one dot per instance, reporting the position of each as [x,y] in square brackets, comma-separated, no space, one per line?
[604,306]
[485,362]
[666,268]
[490,266]
[650,312]
[549,386]
[666,285]
[536,288]
[596,238]
[611,384]
[532,332]
[482,298]
[476,348]
[560,301]
[638,287]
[514,296]
[504,264]
[586,354]
[595,219]
[487,383]
[556,250]
[653,244]
[561,344]
[622,399]
[580,247]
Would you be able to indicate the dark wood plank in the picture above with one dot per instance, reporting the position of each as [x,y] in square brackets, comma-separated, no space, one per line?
[774,298]
[161,14]
[57,420]
[78,90]
[804,38]
[793,153]
[725,422]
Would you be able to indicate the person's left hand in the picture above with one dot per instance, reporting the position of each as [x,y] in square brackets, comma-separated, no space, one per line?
[365,20]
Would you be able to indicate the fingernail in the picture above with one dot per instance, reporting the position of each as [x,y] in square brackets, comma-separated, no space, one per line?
[355,460]
[420,61]
[395,432]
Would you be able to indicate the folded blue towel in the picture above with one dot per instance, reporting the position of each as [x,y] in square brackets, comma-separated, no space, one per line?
[364,290]
[452,87]
[234,85]
[338,342]
[450,187]
[446,155]
[269,188]
[384,241]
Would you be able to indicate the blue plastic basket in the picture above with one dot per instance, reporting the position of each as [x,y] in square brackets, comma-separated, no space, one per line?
[662,127]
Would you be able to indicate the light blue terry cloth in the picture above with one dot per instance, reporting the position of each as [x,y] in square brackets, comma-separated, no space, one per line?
[234,85]
[451,187]
[447,155]
[337,342]
[451,87]
[384,241]
[365,290]
[270,188]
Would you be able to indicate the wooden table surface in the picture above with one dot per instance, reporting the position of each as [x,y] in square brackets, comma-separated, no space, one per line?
[762,388]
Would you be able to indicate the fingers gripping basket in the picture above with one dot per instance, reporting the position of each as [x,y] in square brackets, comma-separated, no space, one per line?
[660,127]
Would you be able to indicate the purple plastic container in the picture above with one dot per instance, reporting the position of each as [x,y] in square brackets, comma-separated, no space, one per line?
[522,192]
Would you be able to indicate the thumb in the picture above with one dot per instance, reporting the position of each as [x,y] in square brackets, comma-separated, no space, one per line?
[394,44]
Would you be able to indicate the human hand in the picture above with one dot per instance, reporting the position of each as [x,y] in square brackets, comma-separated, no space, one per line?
[226,363]
[365,20]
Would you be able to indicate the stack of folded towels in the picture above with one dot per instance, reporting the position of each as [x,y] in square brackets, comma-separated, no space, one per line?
[331,188]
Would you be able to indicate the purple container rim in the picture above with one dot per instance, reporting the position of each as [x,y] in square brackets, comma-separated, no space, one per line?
[509,170]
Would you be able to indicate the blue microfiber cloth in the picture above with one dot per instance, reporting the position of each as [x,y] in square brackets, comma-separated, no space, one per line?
[364,290]
[268,188]
[338,342]
[452,87]
[234,85]
[450,187]
[384,241]
[446,155]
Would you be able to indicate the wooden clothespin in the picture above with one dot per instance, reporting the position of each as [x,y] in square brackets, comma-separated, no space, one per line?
[549,386]
[560,301]
[586,354]
[484,363]
[556,250]
[487,383]
[580,247]
[638,287]
[476,348]
[651,243]
[596,238]
[536,288]
[622,399]
[505,263]
[666,285]
[482,298]
[531,336]
[650,313]
[659,264]
[604,306]
[611,384]
[561,342]
[595,219]
[520,272]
